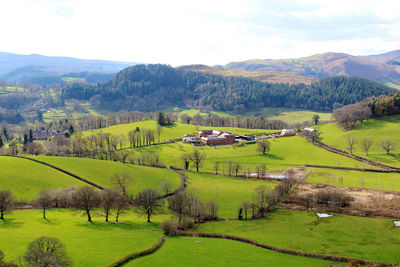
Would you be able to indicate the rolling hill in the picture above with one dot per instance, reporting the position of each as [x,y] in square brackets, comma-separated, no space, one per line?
[381,68]
[16,67]
[263,76]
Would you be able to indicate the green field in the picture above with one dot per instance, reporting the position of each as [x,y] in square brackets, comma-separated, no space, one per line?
[87,244]
[184,251]
[10,89]
[176,131]
[372,239]
[69,111]
[374,180]
[288,115]
[285,152]
[26,178]
[374,129]
[228,192]
[101,171]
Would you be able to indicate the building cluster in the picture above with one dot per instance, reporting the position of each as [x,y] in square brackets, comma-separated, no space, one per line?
[214,137]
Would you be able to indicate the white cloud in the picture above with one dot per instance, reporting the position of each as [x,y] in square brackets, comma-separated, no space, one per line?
[208,32]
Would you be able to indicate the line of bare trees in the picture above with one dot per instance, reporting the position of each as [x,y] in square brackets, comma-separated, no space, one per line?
[88,200]
[266,199]
[387,145]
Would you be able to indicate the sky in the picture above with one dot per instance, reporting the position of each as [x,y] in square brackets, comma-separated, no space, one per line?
[179,32]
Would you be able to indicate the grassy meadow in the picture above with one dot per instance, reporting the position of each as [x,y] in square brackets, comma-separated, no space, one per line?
[374,239]
[228,192]
[285,152]
[374,129]
[186,251]
[176,131]
[101,172]
[374,180]
[288,115]
[87,244]
[26,178]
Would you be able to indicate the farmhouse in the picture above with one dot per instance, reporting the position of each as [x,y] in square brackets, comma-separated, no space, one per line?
[286,132]
[224,138]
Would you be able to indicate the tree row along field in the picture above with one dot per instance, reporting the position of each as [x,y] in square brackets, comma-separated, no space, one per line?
[284,153]
[376,130]
[175,131]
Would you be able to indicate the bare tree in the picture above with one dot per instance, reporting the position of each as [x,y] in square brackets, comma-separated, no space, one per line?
[159,130]
[216,167]
[388,145]
[6,200]
[237,167]
[108,198]
[46,251]
[166,187]
[186,160]
[45,200]
[350,141]
[245,207]
[121,206]
[366,145]
[122,181]
[197,158]
[178,204]
[316,118]
[212,210]
[148,202]
[86,199]
[263,146]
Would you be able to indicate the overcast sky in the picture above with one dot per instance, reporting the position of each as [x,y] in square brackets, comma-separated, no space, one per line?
[202,31]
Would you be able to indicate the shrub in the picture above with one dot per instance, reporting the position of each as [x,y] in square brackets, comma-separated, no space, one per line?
[169,226]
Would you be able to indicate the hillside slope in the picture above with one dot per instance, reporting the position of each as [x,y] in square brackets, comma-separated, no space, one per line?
[154,87]
[263,76]
[376,68]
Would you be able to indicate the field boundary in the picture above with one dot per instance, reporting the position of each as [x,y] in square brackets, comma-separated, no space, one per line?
[348,168]
[61,170]
[181,187]
[131,256]
[285,251]
[358,158]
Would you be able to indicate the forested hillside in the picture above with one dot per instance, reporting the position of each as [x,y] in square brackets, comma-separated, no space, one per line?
[153,87]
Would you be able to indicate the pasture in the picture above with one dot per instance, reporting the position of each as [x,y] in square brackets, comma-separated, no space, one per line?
[373,129]
[374,180]
[228,192]
[373,239]
[285,152]
[87,244]
[26,178]
[101,172]
[218,252]
[175,131]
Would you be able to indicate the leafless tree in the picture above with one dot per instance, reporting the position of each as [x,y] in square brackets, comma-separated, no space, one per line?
[186,160]
[6,201]
[197,158]
[86,199]
[388,145]
[178,204]
[237,167]
[46,251]
[121,206]
[366,145]
[122,181]
[34,148]
[147,202]
[350,142]
[245,207]
[216,167]
[212,210]
[108,199]
[45,200]
[263,146]
[166,187]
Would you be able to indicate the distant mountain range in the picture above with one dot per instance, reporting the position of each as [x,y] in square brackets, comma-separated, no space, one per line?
[14,67]
[382,68]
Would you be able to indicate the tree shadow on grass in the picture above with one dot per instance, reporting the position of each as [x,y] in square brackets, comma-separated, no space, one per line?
[272,156]
[10,223]
[104,226]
